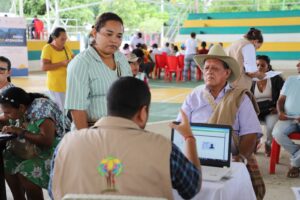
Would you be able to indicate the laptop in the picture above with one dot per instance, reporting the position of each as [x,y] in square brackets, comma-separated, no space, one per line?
[213,148]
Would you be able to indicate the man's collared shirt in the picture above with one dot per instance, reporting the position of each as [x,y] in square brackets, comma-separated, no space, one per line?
[198,110]
[88,80]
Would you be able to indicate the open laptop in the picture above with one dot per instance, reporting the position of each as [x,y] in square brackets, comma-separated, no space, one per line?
[213,148]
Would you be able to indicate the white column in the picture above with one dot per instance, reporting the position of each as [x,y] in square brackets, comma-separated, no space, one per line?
[21,7]
[162,28]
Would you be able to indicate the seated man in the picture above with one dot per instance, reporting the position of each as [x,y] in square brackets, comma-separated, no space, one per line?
[289,120]
[218,103]
[117,156]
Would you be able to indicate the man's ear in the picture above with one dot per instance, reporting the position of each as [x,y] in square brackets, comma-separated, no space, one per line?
[141,117]
[228,72]
[94,32]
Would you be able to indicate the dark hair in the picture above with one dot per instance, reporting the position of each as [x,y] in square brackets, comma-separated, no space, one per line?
[121,94]
[254,34]
[126,46]
[167,44]
[15,96]
[203,44]
[7,61]
[176,48]
[138,52]
[108,16]
[55,34]
[139,34]
[267,59]
[154,45]
[193,34]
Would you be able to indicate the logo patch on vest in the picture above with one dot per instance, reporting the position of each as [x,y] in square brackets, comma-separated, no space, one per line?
[110,168]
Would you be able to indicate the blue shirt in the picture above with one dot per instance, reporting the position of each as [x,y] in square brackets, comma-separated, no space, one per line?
[291,89]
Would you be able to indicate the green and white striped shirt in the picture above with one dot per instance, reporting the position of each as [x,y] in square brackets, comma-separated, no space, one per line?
[88,80]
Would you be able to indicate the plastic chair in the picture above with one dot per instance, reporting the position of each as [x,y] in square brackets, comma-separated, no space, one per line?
[181,65]
[275,152]
[172,67]
[161,62]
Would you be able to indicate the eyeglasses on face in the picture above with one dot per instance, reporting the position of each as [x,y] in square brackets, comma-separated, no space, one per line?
[3,69]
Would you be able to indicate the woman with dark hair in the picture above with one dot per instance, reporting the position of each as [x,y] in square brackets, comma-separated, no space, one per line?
[5,67]
[267,93]
[55,57]
[244,51]
[38,121]
[92,72]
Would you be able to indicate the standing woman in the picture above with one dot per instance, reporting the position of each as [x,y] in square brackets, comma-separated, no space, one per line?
[55,58]
[91,73]
[5,67]
[244,51]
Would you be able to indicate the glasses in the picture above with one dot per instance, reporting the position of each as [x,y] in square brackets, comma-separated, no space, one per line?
[3,69]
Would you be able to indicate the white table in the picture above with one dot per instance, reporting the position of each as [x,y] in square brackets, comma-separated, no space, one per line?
[239,186]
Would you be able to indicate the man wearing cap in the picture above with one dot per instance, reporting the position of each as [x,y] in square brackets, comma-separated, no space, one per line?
[134,63]
[216,102]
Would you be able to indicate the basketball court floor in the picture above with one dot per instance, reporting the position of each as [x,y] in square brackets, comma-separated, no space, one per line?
[167,98]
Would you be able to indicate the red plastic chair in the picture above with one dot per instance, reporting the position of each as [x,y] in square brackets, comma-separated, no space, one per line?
[275,152]
[161,63]
[172,67]
[181,65]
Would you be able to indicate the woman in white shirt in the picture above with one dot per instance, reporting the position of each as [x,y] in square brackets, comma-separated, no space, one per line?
[244,51]
[266,93]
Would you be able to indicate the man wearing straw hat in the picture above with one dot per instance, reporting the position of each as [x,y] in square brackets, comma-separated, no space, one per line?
[218,103]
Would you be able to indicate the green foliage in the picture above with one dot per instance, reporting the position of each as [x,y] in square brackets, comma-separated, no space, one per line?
[34,7]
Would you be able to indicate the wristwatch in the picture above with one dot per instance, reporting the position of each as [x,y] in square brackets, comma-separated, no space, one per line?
[243,159]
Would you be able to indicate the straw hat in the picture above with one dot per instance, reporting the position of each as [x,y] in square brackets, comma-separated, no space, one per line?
[218,52]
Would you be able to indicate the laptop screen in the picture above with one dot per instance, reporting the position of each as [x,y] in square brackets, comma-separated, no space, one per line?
[213,143]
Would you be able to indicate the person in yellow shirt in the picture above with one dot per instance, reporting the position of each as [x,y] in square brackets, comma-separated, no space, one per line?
[55,58]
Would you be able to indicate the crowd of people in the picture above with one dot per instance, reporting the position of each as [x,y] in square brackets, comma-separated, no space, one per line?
[102,95]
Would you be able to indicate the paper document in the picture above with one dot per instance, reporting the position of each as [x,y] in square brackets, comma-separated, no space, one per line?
[5,135]
[296,191]
[269,74]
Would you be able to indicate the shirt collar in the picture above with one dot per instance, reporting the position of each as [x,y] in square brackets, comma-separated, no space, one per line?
[117,122]
[298,77]
[223,91]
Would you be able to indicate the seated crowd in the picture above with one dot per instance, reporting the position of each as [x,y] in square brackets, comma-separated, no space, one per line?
[108,99]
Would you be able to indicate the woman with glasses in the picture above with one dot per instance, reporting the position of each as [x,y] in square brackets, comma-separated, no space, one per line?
[91,73]
[55,58]
[5,66]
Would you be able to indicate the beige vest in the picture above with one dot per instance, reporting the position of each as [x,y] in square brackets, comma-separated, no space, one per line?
[235,51]
[145,159]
